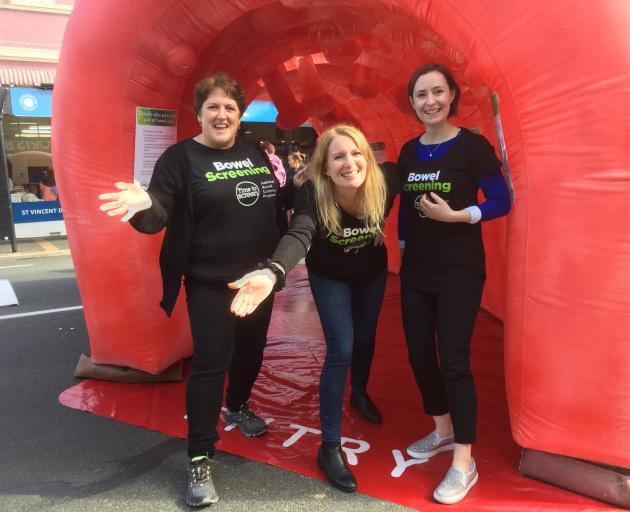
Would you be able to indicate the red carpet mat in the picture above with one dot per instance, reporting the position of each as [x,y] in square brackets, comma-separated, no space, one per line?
[286,393]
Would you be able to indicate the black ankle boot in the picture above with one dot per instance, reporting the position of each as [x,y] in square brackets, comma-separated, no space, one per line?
[330,461]
[363,403]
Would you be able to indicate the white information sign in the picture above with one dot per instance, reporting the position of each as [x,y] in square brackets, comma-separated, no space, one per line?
[156,130]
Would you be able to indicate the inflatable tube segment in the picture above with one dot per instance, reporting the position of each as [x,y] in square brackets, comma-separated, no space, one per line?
[558,268]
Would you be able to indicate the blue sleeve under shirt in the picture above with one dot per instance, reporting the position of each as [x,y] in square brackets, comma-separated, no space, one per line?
[497,203]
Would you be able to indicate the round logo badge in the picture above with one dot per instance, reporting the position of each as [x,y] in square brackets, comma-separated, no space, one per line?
[416,205]
[247,193]
[28,102]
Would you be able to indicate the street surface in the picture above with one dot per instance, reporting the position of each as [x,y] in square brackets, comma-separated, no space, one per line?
[53,458]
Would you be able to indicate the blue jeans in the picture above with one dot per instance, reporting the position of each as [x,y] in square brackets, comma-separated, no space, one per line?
[348,314]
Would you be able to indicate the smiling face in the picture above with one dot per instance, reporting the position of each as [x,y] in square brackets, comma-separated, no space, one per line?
[432,98]
[345,164]
[219,117]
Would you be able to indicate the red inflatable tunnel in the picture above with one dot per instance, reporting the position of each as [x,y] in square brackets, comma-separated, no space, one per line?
[559,267]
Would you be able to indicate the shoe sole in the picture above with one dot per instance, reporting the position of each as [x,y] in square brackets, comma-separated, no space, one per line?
[428,455]
[451,500]
[203,503]
[344,489]
[227,424]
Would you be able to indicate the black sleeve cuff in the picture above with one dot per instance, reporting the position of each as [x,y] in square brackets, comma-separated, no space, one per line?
[280,276]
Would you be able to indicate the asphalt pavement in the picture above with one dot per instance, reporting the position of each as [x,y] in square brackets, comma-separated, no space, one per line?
[60,459]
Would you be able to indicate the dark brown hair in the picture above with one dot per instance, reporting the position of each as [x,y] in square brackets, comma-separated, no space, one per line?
[446,73]
[223,81]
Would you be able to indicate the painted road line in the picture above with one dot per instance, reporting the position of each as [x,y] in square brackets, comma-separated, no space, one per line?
[16,266]
[7,294]
[43,312]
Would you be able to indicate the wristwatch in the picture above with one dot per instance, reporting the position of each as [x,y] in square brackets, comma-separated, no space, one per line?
[278,272]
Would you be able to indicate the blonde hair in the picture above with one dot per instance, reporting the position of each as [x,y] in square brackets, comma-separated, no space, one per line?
[296,157]
[372,193]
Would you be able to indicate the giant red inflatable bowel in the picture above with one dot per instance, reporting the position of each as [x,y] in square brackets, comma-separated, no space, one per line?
[558,268]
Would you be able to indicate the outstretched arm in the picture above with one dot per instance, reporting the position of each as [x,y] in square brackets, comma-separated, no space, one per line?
[253,288]
[130,200]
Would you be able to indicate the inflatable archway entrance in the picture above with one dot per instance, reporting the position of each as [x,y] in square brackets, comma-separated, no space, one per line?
[558,272]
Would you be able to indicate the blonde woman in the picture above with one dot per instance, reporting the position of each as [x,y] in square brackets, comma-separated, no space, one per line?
[340,215]
[296,162]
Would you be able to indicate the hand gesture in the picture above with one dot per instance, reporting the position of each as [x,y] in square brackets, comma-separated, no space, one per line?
[252,288]
[301,177]
[130,200]
[438,209]
[379,239]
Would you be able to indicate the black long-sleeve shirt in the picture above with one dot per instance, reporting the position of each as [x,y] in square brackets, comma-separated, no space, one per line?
[349,256]
[222,208]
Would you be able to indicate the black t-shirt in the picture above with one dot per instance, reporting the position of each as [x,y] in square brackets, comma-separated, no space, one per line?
[439,254]
[235,218]
[349,256]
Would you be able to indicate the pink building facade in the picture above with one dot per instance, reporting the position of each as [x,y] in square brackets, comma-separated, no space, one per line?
[31,32]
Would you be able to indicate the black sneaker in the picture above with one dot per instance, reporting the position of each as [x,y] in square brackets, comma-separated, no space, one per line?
[201,491]
[250,424]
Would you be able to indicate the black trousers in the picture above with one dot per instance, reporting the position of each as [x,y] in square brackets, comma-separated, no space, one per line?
[222,343]
[438,329]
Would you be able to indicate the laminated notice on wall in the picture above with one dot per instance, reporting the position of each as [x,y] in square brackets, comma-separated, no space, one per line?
[156,130]
[501,137]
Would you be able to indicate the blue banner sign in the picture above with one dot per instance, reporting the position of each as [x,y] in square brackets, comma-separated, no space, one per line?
[37,211]
[260,112]
[30,102]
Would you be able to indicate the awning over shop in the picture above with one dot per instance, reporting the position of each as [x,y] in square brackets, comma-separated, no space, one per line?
[27,75]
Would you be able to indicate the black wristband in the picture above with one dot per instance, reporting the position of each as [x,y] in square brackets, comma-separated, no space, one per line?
[280,276]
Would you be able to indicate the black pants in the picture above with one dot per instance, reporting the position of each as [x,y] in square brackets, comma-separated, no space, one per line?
[222,343]
[438,329]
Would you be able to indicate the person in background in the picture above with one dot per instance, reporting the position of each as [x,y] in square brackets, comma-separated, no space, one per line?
[10,173]
[443,266]
[338,218]
[276,162]
[48,186]
[296,161]
[188,192]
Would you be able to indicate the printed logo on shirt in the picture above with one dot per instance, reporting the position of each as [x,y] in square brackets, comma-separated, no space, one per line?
[416,205]
[353,239]
[235,169]
[269,189]
[426,181]
[247,193]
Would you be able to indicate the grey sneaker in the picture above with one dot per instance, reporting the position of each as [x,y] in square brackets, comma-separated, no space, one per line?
[201,491]
[430,446]
[456,485]
[250,424]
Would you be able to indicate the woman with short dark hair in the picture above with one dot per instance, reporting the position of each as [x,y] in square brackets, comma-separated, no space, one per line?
[221,205]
